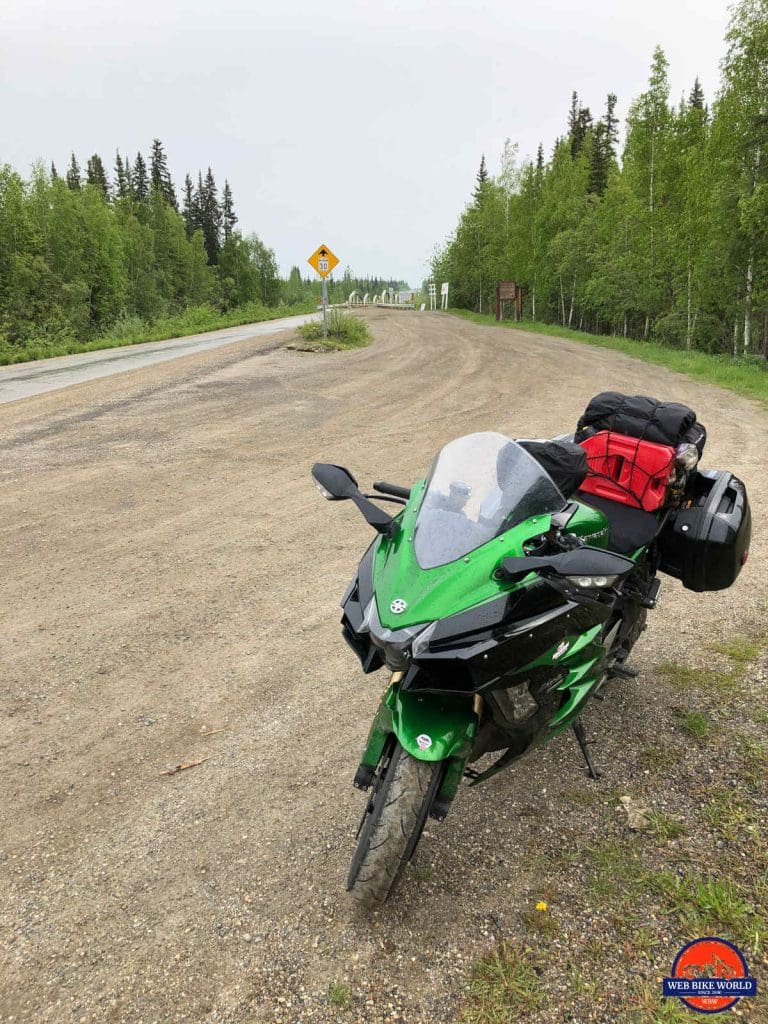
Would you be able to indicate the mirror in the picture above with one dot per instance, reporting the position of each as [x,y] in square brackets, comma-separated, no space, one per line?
[585,561]
[334,482]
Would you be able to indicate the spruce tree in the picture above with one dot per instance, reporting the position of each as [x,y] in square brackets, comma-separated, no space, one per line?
[540,157]
[482,178]
[189,210]
[696,98]
[228,216]
[121,178]
[54,172]
[160,175]
[573,117]
[96,175]
[140,180]
[210,216]
[611,123]
[599,161]
[73,175]
[579,123]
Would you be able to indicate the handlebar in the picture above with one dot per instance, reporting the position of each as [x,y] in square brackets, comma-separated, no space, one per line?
[394,489]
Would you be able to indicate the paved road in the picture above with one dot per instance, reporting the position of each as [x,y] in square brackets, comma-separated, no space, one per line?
[27,379]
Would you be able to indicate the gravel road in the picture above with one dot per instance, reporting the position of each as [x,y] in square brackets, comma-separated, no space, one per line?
[170,591]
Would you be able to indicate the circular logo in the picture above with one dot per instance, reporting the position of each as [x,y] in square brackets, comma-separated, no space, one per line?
[424,742]
[710,975]
[398,606]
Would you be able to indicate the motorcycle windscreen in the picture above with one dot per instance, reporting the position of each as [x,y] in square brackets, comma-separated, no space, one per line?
[479,486]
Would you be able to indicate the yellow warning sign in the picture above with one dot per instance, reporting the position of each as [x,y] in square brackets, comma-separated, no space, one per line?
[322,260]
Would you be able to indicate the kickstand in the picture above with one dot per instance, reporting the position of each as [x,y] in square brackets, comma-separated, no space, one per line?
[581,736]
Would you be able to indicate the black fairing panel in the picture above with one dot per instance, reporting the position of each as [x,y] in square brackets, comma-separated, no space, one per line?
[357,599]
[489,659]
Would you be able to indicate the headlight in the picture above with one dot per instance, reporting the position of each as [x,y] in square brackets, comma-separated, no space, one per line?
[395,644]
[592,582]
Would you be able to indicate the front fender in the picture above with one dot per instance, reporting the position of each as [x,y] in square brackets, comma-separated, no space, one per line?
[432,727]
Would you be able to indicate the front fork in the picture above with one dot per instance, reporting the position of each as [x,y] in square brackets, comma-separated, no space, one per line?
[430,727]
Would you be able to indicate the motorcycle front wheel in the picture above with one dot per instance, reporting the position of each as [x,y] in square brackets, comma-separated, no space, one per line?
[402,793]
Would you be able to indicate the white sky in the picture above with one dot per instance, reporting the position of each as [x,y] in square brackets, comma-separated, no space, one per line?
[335,121]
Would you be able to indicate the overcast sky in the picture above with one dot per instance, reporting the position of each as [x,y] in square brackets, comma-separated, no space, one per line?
[358,125]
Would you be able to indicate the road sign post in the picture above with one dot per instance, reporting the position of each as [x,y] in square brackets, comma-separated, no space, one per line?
[323,261]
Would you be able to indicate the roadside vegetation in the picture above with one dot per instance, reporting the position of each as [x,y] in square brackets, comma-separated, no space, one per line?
[745,375]
[132,330]
[664,241]
[345,331]
[90,260]
[632,898]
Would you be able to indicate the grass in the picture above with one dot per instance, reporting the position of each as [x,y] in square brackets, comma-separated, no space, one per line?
[340,995]
[502,985]
[741,650]
[345,331]
[686,677]
[747,377]
[664,827]
[707,906]
[700,868]
[134,331]
[696,723]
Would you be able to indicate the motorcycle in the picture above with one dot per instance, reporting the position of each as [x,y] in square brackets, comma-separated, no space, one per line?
[510,587]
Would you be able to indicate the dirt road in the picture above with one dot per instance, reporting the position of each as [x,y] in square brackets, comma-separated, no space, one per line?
[170,571]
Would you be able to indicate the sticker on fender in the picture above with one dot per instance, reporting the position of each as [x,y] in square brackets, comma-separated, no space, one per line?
[424,742]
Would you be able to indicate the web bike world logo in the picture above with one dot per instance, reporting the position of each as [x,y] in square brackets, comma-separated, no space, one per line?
[710,975]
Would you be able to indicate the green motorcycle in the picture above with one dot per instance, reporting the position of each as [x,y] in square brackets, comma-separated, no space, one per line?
[501,598]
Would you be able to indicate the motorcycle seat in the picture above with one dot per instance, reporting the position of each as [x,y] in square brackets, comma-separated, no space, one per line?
[631,528]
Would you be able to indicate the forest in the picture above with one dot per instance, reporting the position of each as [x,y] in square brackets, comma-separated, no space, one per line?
[666,240]
[88,255]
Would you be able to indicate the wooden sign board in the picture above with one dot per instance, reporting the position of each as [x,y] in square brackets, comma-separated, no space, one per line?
[509,291]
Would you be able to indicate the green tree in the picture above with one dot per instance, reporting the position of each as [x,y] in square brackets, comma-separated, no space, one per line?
[97,176]
[160,176]
[73,175]
[228,216]
[122,185]
[140,181]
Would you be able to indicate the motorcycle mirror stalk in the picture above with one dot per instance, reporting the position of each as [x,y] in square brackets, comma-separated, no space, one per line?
[337,484]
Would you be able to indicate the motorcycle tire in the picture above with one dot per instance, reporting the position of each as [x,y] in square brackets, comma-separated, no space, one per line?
[394,818]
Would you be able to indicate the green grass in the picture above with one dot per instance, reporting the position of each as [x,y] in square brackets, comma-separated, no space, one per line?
[706,906]
[696,723]
[741,650]
[502,985]
[345,331]
[340,995]
[686,677]
[700,868]
[664,827]
[727,814]
[134,331]
[747,377]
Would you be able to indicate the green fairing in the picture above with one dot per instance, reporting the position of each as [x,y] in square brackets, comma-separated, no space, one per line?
[447,589]
[449,722]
